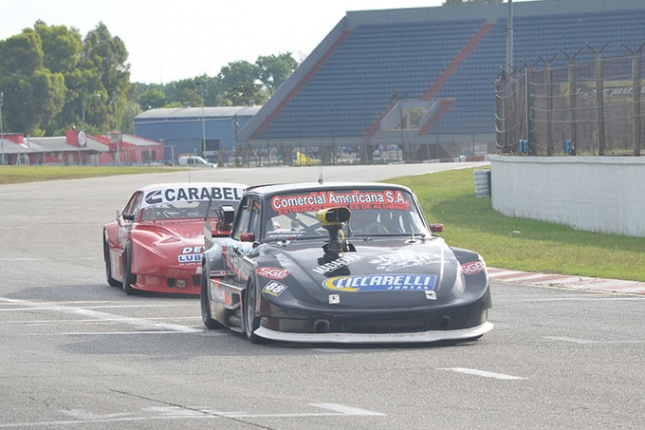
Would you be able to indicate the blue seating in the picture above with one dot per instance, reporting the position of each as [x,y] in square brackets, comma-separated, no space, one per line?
[354,86]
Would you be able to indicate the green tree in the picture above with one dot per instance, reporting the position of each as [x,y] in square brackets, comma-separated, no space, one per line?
[21,54]
[105,58]
[214,91]
[53,80]
[273,70]
[33,95]
[187,91]
[61,47]
[151,97]
[131,110]
[239,83]
[33,101]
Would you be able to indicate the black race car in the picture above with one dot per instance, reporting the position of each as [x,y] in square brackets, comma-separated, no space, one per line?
[341,263]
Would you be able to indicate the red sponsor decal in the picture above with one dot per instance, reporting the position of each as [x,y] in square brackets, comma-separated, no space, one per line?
[473,268]
[273,272]
[354,199]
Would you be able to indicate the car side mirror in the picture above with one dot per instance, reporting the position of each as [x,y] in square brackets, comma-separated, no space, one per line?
[128,217]
[436,228]
[225,217]
[247,237]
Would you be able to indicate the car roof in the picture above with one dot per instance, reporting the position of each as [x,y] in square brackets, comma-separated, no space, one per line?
[163,186]
[270,189]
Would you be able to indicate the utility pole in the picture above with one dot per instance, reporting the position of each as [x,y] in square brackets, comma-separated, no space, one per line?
[509,38]
[201,86]
[117,157]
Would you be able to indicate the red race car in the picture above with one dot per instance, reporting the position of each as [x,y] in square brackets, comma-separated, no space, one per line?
[156,243]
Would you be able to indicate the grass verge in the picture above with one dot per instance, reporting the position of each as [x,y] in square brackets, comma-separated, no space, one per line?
[20,174]
[522,244]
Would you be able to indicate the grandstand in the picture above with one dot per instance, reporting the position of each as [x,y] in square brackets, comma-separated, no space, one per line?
[421,78]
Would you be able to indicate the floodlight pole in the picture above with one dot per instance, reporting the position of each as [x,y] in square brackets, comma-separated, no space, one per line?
[203,120]
[117,156]
[509,38]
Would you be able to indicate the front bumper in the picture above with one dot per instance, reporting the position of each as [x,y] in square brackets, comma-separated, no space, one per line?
[180,284]
[364,338]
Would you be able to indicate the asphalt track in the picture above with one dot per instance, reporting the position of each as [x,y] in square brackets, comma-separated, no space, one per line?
[566,352]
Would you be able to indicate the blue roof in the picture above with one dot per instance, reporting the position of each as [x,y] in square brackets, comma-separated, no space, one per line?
[372,58]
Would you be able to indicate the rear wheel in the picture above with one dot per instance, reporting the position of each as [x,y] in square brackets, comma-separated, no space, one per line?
[108,266]
[204,298]
[251,322]
[128,277]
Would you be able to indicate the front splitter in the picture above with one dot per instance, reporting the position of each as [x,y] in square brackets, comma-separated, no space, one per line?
[364,338]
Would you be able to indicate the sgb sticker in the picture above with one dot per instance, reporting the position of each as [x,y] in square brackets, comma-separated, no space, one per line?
[273,272]
[473,268]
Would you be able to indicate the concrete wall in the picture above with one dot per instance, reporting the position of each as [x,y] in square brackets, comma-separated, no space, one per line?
[600,194]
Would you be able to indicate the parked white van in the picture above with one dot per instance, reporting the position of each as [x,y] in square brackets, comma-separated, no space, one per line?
[194,161]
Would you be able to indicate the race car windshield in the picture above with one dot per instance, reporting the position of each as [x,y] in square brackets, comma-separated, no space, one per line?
[183,210]
[382,212]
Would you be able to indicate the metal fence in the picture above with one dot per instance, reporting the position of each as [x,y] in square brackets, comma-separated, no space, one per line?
[584,108]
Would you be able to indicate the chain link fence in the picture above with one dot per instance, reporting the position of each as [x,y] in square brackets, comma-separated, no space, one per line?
[576,108]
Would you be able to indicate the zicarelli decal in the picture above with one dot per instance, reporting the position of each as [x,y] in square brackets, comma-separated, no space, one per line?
[337,263]
[189,194]
[190,255]
[355,284]
[273,272]
[402,259]
[355,199]
[473,268]
[274,288]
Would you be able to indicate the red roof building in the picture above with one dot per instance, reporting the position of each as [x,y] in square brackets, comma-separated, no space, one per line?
[79,148]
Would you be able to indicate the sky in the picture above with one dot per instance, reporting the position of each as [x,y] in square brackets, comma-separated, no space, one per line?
[170,40]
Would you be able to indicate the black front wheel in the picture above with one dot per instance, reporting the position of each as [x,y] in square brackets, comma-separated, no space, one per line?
[108,266]
[128,277]
[251,321]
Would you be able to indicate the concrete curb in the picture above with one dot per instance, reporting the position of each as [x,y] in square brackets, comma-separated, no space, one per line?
[566,281]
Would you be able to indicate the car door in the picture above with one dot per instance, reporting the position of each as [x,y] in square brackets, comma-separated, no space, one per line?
[245,235]
[128,218]
[118,235]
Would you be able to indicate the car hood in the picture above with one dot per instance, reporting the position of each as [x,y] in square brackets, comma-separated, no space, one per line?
[163,238]
[173,229]
[400,270]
